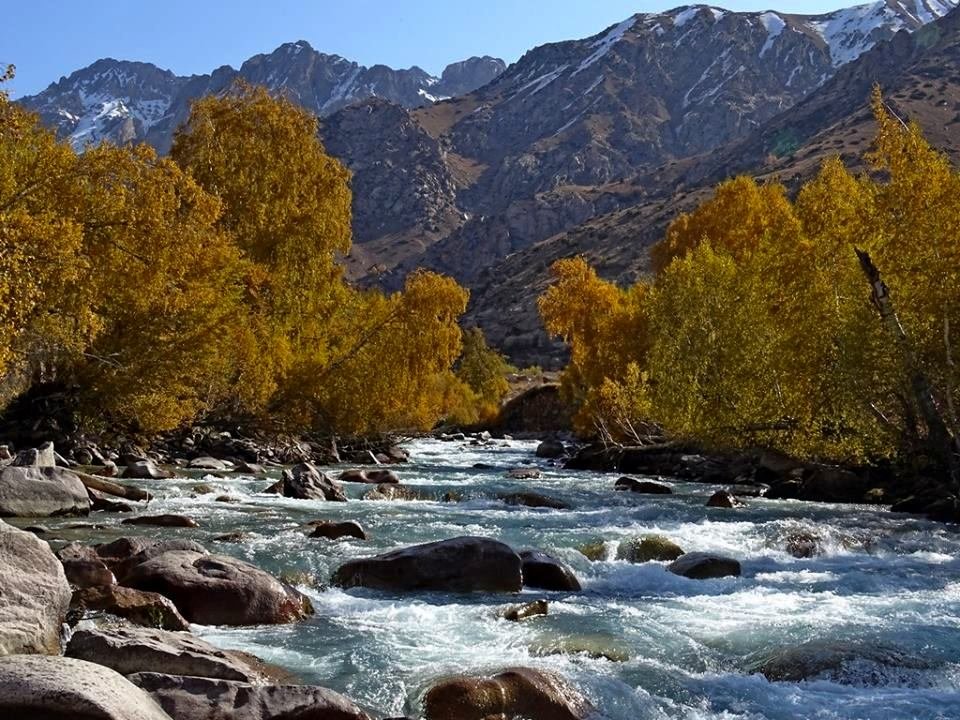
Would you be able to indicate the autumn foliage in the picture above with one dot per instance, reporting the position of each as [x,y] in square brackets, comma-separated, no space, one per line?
[757,326]
[160,290]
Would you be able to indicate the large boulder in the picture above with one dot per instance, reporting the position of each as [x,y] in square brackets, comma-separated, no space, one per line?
[546,573]
[125,553]
[83,567]
[57,688]
[305,482]
[34,594]
[219,590]
[703,566]
[724,499]
[149,609]
[41,491]
[516,692]
[138,649]
[199,698]
[165,520]
[550,449]
[462,564]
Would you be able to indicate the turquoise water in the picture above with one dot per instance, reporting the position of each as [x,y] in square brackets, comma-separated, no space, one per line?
[683,648]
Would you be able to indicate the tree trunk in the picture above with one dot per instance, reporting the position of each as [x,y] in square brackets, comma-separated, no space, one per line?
[942,444]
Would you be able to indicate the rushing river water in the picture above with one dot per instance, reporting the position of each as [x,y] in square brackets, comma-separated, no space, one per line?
[681,648]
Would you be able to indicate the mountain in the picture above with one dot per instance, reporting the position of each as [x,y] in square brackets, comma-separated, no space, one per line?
[124,101]
[919,74]
[583,146]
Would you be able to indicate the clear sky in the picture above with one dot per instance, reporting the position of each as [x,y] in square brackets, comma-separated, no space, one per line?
[47,39]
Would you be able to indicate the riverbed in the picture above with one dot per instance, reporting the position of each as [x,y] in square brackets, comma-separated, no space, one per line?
[639,641]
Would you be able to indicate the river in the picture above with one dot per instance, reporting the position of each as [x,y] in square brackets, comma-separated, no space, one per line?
[680,648]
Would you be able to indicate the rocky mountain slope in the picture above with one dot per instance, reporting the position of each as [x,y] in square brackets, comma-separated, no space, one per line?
[125,101]
[920,77]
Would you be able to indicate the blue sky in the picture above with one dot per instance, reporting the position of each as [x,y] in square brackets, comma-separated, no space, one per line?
[46,39]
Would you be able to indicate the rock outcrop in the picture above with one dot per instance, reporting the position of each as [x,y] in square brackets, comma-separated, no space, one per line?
[41,491]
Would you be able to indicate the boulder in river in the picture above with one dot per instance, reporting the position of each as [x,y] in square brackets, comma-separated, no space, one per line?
[145,470]
[354,476]
[58,688]
[125,553]
[130,650]
[644,487]
[304,482]
[149,609]
[208,463]
[859,663]
[41,491]
[516,692]
[647,548]
[162,521]
[545,572]
[34,594]
[703,566]
[99,502]
[199,698]
[534,500]
[219,590]
[724,499]
[551,449]
[516,613]
[394,491]
[462,564]
[336,530]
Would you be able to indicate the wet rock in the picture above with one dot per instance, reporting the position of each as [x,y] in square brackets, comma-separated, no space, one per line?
[108,469]
[594,550]
[83,567]
[833,484]
[516,613]
[305,482]
[723,499]
[551,449]
[145,470]
[203,489]
[337,530]
[514,693]
[219,590]
[130,650]
[523,473]
[703,566]
[226,499]
[101,503]
[394,491]
[354,476]
[382,476]
[463,564]
[854,663]
[647,548]
[162,521]
[248,468]
[534,500]
[137,606]
[208,463]
[198,698]
[748,489]
[125,553]
[34,594]
[545,572]
[804,544]
[596,647]
[41,491]
[57,688]
[645,487]
[233,537]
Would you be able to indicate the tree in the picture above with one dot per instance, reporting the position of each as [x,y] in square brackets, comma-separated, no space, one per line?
[484,371]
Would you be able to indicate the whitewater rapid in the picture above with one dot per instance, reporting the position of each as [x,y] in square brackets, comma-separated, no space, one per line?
[680,648]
